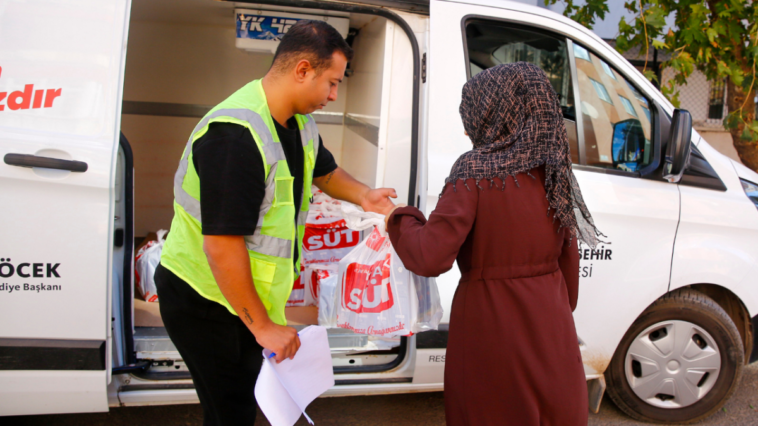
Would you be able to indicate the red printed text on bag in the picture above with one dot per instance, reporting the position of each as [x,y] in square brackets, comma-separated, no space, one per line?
[323,239]
[367,287]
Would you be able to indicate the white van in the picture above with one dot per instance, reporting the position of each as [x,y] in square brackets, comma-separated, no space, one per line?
[98,97]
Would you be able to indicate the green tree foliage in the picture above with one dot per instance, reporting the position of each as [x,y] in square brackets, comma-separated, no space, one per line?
[585,13]
[716,37]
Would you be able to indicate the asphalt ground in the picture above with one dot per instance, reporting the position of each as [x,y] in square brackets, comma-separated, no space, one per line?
[420,409]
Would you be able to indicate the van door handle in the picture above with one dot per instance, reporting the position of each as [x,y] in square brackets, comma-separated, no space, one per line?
[27,160]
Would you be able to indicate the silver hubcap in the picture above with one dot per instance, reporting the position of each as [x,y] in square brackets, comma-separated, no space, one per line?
[672,364]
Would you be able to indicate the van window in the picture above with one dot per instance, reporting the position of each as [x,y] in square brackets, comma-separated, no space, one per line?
[581,53]
[608,70]
[616,116]
[601,92]
[491,43]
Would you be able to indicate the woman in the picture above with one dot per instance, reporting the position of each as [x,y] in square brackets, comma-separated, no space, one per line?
[507,215]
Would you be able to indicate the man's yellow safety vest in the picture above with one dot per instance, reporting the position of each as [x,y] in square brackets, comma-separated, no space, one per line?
[272,245]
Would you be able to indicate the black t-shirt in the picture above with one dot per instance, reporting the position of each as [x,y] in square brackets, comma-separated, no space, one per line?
[232,175]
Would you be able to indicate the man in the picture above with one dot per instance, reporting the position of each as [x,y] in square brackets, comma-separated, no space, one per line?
[241,197]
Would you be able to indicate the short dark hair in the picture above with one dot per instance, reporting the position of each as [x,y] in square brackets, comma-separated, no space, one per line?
[313,40]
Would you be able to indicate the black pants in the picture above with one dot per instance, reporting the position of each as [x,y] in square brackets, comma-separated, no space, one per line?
[221,353]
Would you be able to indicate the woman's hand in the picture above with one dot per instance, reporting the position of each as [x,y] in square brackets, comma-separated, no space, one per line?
[387,217]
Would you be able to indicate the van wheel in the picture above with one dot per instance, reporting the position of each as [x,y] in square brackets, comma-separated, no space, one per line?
[679,362]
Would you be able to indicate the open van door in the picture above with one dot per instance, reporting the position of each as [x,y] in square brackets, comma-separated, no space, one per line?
[60,94]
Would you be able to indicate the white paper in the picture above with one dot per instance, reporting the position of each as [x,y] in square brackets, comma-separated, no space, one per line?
[284,390]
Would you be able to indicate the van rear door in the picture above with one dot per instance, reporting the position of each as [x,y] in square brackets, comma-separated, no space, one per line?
[61,69]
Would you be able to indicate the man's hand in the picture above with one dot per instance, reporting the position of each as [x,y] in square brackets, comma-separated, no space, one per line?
[230,264]
[340,185]
[279,339]
[378,200]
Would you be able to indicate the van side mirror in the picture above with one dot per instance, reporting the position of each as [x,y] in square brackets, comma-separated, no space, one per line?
[679,146]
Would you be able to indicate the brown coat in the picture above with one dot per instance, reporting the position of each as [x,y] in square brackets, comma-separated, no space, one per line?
[513,355]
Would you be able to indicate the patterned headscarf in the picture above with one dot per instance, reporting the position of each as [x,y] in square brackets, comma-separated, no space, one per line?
[513,117]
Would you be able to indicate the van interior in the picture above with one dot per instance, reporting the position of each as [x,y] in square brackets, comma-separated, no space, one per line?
[182,59]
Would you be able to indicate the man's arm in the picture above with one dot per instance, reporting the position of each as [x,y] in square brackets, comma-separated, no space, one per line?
[230,264]
[340,185]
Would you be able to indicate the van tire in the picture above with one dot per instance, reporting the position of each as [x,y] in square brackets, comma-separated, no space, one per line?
[684,305]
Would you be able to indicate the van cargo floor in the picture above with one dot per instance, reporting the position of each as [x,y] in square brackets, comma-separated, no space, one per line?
[153,343]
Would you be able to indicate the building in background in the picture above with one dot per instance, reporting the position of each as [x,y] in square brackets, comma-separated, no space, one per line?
[704,99]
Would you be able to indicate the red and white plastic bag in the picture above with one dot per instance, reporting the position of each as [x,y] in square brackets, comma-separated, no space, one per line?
[429,313]
[376,294]
[327,288]
[147,259]
[313,280]
[305,290]
[327,238]
[297,296]
[316,287]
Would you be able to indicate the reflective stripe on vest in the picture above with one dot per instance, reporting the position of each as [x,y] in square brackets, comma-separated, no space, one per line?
[301,217]
[310,131]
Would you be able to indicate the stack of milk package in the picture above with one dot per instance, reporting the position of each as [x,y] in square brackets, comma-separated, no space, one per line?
[376,294]
[327,240]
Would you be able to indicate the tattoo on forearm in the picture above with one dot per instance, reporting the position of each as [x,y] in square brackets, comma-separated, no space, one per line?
[329,176]
[247,315]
